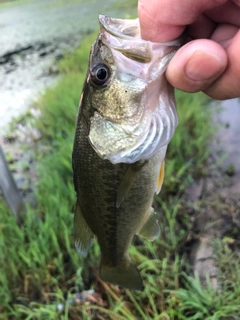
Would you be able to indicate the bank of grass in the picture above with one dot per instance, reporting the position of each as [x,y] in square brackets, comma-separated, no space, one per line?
[40,269]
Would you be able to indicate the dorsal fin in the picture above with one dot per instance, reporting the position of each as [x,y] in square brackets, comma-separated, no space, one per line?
[151,228]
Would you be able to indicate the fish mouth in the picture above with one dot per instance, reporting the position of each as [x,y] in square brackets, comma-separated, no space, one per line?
[121,28]
[118,34]
[152,125]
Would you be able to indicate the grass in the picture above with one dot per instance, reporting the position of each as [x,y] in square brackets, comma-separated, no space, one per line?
[11,3]
[41,272]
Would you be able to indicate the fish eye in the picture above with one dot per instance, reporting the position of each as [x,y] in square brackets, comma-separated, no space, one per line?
[100,74]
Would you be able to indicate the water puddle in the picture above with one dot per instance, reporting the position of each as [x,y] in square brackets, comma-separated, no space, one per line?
[228,141]
[33,35]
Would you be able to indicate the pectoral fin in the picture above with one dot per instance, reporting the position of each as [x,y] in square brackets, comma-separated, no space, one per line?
[128,179]
[160,177]
[82,233]
[151,229]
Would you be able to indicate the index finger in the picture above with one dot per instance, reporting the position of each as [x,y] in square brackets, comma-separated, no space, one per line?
[164,20]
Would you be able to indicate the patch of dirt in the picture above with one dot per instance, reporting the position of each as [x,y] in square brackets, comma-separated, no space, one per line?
[215,206]
[213,201]
[18,168]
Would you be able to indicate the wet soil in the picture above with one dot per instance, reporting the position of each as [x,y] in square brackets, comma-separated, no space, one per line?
[214,201]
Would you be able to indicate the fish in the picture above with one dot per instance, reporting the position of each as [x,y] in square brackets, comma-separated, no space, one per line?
[126,118]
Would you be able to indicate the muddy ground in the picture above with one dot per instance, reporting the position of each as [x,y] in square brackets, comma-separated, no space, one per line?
[214,200]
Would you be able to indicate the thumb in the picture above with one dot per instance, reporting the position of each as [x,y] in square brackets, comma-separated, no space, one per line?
[197,65]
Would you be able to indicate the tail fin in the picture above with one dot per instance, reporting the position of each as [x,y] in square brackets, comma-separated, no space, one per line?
[126,275]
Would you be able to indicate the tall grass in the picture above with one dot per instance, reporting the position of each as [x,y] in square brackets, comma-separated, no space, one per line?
[40,269]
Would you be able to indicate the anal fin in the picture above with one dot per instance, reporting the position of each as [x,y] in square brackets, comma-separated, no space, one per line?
[128,179]
[151,228]
[83,235]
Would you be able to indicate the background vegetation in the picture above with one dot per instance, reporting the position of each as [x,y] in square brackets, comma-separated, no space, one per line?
[43,277]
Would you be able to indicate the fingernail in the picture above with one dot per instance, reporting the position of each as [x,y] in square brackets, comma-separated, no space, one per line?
[203,66]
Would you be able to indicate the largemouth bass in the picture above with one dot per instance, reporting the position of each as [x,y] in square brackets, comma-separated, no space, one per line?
[126,119]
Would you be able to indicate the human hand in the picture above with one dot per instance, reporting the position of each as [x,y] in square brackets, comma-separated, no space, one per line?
[211,61]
